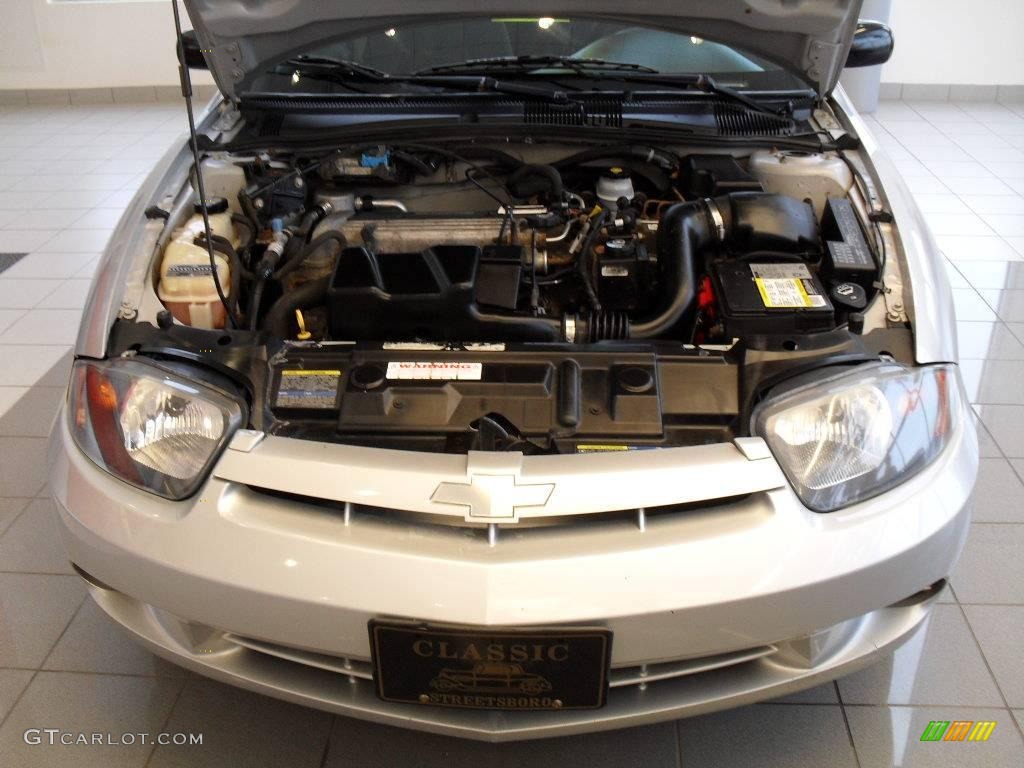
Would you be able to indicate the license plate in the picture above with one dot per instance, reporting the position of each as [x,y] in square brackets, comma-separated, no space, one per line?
[482,669]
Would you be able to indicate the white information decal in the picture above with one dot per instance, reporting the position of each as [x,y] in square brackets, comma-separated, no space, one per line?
[444,371]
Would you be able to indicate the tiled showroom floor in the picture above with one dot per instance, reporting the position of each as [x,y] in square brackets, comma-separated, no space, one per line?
[65,174]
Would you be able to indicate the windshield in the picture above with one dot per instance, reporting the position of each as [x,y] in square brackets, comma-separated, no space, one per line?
[413,48]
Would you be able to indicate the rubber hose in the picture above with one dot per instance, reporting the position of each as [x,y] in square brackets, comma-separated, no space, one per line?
[281,315]
[646,154]
[684,230]
[254,305]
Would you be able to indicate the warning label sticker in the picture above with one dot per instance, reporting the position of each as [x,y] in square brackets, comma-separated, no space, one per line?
[443,371]
[786,286]
[301,388]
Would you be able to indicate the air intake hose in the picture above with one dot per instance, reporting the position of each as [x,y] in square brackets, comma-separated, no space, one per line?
[744,222]
[685,230]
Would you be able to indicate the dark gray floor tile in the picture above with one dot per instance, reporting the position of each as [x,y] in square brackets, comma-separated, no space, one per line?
[939,665]
[31,544]
[356,744]
[991,569]
[34,610]
[891,736]
[1006,425]
[1000,632]
[8,260]
[766,736]
[242,730]
[12,683]
[73,703]
[94,643]
[999,493]
[33,414]
[9,510]
[23,468]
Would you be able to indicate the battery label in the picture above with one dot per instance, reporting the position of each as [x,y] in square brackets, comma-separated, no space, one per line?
[301,388]
[436,370]
[786,286]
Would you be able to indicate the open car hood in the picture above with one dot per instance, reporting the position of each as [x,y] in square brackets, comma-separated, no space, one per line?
[243,38]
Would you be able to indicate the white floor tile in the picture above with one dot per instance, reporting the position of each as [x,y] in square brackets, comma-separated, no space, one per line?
[1006,224]
[71,294]
[970,248]
[8,317]
[957,224]
[44,326]
[51,265]
[33,361]
[979,186]
[18,293]
[947,169]
[999,204]
[99,218]
[78,240]
[23,240]
[42,219]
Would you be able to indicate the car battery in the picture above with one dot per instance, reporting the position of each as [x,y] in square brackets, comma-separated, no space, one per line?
[757,298]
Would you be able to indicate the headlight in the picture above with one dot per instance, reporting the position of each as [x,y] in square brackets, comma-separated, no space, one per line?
[147,426]
[857,434]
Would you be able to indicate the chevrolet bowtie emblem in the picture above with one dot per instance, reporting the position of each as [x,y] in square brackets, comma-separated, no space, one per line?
[496,498]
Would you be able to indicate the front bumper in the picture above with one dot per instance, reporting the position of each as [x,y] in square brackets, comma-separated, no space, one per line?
[710,607]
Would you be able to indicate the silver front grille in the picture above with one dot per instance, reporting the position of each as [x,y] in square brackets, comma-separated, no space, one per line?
[639,675]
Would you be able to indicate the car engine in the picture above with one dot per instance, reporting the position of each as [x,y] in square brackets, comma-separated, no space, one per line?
[498,297]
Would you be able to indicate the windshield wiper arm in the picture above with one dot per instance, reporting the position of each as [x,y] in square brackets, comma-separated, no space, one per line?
[707,84]
[531,63]
[343,72]
[327,68]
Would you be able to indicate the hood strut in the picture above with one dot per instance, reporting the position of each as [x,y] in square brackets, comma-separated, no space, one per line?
[186,92]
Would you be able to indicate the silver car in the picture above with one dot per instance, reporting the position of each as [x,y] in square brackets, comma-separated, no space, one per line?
[522,370]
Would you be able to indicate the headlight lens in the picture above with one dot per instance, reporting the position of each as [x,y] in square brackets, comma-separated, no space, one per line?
[855,435]
[147,426]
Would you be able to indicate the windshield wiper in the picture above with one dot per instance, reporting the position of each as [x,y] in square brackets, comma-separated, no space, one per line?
[592,67]
[327,68]
[342,72]
[707,84]
[531,63]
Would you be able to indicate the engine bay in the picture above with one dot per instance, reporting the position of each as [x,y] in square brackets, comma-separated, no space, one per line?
[535,298]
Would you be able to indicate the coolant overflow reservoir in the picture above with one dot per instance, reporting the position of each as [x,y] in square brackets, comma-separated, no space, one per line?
[186,283]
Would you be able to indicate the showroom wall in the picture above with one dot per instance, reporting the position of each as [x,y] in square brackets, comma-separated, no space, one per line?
[957,42]
[88,44]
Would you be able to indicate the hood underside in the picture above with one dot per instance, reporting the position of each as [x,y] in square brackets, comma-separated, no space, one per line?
[241,38]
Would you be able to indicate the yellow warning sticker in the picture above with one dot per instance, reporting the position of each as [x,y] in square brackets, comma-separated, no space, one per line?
[310,372]
[601,448]
[781,293]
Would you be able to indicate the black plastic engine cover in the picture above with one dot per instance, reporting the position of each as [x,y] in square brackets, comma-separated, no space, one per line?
[445,293]
[538,393]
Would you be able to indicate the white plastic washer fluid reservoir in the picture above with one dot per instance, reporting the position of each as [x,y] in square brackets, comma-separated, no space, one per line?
[186,284]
